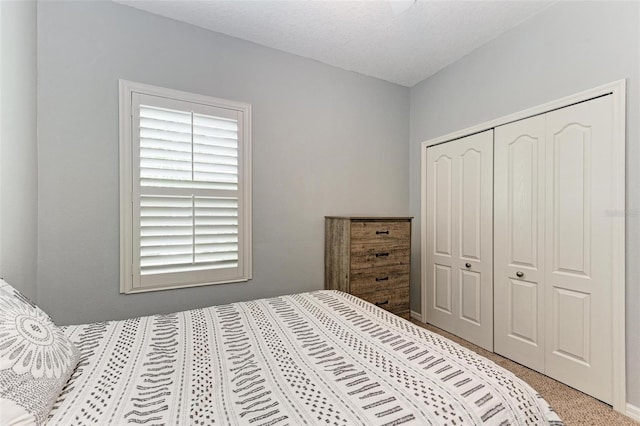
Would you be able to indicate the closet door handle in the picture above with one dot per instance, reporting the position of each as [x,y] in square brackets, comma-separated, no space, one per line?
[519,274]
[468,265]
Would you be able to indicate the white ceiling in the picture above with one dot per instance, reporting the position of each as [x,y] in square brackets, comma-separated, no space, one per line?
[375,38]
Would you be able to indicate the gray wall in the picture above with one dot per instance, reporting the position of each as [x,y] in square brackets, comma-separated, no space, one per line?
[18,146]
[570,47]
[325,142]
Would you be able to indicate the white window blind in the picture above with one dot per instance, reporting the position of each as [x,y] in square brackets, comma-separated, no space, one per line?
[189,191]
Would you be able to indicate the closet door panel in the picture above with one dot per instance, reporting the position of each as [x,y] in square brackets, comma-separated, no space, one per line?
[579,229]
[459,237]
[474,254]
[519,241]
[440,240]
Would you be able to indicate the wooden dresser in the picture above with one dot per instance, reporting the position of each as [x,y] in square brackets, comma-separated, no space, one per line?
[370,257]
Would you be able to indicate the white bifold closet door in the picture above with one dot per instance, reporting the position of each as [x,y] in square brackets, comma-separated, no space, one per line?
[519,216]
[553,244]
[459,237]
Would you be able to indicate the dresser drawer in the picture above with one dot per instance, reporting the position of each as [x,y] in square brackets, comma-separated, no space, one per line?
[380,232]
[381,278]
[393,300]
[374,255]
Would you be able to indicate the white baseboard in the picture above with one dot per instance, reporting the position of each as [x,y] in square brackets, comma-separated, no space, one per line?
[632,410]
[416,315]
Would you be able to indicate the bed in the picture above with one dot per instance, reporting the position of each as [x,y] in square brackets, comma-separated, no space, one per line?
[319,358]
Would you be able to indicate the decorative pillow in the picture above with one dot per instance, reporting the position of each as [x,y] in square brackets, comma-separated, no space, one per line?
[36,360]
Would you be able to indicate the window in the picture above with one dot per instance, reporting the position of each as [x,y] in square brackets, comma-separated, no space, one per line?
[185,189]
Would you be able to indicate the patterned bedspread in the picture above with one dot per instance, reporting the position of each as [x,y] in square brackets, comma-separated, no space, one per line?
[315,358]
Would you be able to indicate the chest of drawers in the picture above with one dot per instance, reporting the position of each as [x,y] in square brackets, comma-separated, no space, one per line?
[370,257]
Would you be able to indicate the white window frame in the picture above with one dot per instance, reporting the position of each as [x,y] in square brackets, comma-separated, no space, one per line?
[129,187]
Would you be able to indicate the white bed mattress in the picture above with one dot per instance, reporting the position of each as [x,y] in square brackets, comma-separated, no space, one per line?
[324,357]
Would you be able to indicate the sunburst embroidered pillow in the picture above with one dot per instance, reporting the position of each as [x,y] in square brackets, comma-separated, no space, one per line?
[36,360]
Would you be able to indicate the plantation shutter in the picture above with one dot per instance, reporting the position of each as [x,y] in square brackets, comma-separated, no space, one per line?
[188,201]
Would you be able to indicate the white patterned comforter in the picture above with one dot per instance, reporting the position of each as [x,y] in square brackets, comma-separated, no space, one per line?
[316,358]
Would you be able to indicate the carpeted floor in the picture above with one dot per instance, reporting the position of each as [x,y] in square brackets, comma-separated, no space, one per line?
[573,407]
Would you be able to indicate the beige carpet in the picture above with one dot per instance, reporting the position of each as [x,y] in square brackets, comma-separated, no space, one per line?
[573,407]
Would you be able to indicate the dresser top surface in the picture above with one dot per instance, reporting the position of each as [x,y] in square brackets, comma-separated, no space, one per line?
[371,218]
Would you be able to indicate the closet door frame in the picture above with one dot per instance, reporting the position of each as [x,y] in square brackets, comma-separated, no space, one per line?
[617,90]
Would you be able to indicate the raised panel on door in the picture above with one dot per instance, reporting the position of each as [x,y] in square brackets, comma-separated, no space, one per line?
[572,319]
[470,297]
[578,246]
[442,207]
[459,233]
[442,289]
[522,312]
[470,199]
[519,241]
[571,150]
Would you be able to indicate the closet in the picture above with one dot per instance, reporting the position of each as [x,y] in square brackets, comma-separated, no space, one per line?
[522,242]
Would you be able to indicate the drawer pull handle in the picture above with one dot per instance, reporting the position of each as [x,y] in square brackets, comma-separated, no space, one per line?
[386,302]
[382,254]
[382,279]
[382,232]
